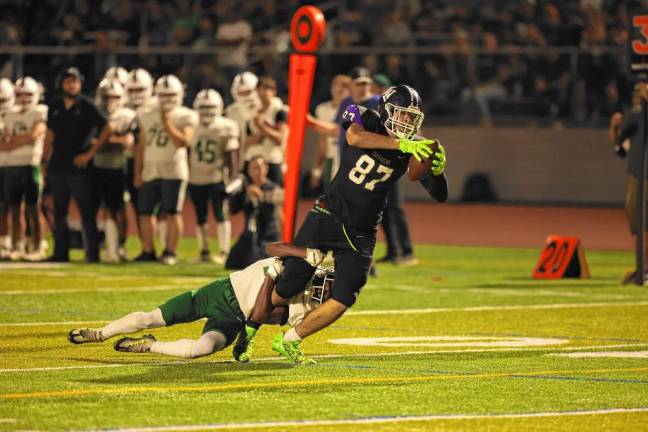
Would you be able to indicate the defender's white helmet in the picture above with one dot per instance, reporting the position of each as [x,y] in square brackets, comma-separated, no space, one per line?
[27,92]
[169,91]
[118,74]
[243,85]
[110,95]
[7,95]
[209,105]
[139,87]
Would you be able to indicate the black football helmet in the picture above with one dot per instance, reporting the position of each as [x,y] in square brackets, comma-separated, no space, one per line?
[400,111]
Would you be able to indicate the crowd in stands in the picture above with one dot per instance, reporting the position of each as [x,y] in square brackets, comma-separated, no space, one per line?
[556,62]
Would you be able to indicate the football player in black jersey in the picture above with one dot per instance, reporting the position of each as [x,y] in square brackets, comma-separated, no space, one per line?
[344,219]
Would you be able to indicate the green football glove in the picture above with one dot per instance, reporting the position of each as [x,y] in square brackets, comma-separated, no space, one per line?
[439,161]
[419,149]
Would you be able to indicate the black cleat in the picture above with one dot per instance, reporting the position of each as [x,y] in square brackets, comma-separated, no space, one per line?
[146,257]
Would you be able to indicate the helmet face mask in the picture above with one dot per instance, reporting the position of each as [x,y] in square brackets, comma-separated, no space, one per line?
[321,285]
[112,104]
[139,87]
[27,93]
[209,105]
[403,122]
[207,114]
[244,86]
[168,101]
[169,91]
[111,95]
[400,112]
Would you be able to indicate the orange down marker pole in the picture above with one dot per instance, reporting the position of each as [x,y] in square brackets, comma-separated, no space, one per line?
[307,30]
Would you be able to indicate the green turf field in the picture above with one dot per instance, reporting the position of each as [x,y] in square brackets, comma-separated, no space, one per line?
[464,341]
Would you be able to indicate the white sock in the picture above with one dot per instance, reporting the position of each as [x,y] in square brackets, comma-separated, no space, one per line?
[20,245]
[224,237]
[133,322]
[162,233]
[112,240]
[43,246]
[208,343]
[201,236]
[292,336]
[5,242]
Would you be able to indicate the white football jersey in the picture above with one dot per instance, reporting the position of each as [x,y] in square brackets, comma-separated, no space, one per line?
[162,159]
[130,153]
[242,111]
[327,111]
[267,148]
[3,154]
[207,150]
[247,284]
[112,156]
[18,123]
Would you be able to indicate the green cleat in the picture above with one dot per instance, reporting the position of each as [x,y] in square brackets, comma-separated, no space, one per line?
[290,350]
[242,351]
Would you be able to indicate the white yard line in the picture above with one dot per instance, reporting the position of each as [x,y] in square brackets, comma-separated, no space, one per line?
[377,420]
[496,308]
[405,311]
[126,289]
[320,356]
[8,420]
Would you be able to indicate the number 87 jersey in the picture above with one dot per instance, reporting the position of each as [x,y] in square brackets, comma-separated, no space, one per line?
[358,192]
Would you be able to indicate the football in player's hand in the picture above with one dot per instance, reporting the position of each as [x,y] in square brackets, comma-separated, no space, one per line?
[417,170]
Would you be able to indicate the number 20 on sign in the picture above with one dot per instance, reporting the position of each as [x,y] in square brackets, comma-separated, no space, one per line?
[560,258]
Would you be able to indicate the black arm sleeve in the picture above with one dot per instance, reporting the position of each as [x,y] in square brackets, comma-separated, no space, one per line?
[237,202]
[436,186]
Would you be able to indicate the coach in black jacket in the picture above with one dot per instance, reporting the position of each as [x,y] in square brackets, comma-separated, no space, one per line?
[72,123]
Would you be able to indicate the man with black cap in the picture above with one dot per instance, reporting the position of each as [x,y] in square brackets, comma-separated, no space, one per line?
[361,94]
[70,145]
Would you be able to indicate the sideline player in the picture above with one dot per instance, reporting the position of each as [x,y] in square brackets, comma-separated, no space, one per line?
[327,157]
[225,303]
[268,131]
[109,177]
[161,166]
[212,161]
[139,98]
[7,98]
[245,106]
[344,219]
[25,127]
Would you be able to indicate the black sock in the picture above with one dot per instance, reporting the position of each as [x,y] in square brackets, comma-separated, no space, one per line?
[253,324]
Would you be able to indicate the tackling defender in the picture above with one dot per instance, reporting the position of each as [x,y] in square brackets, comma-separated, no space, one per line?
[109,177]
[25,128]
[344,219]
[212,162]
[225,303]
[161,166]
